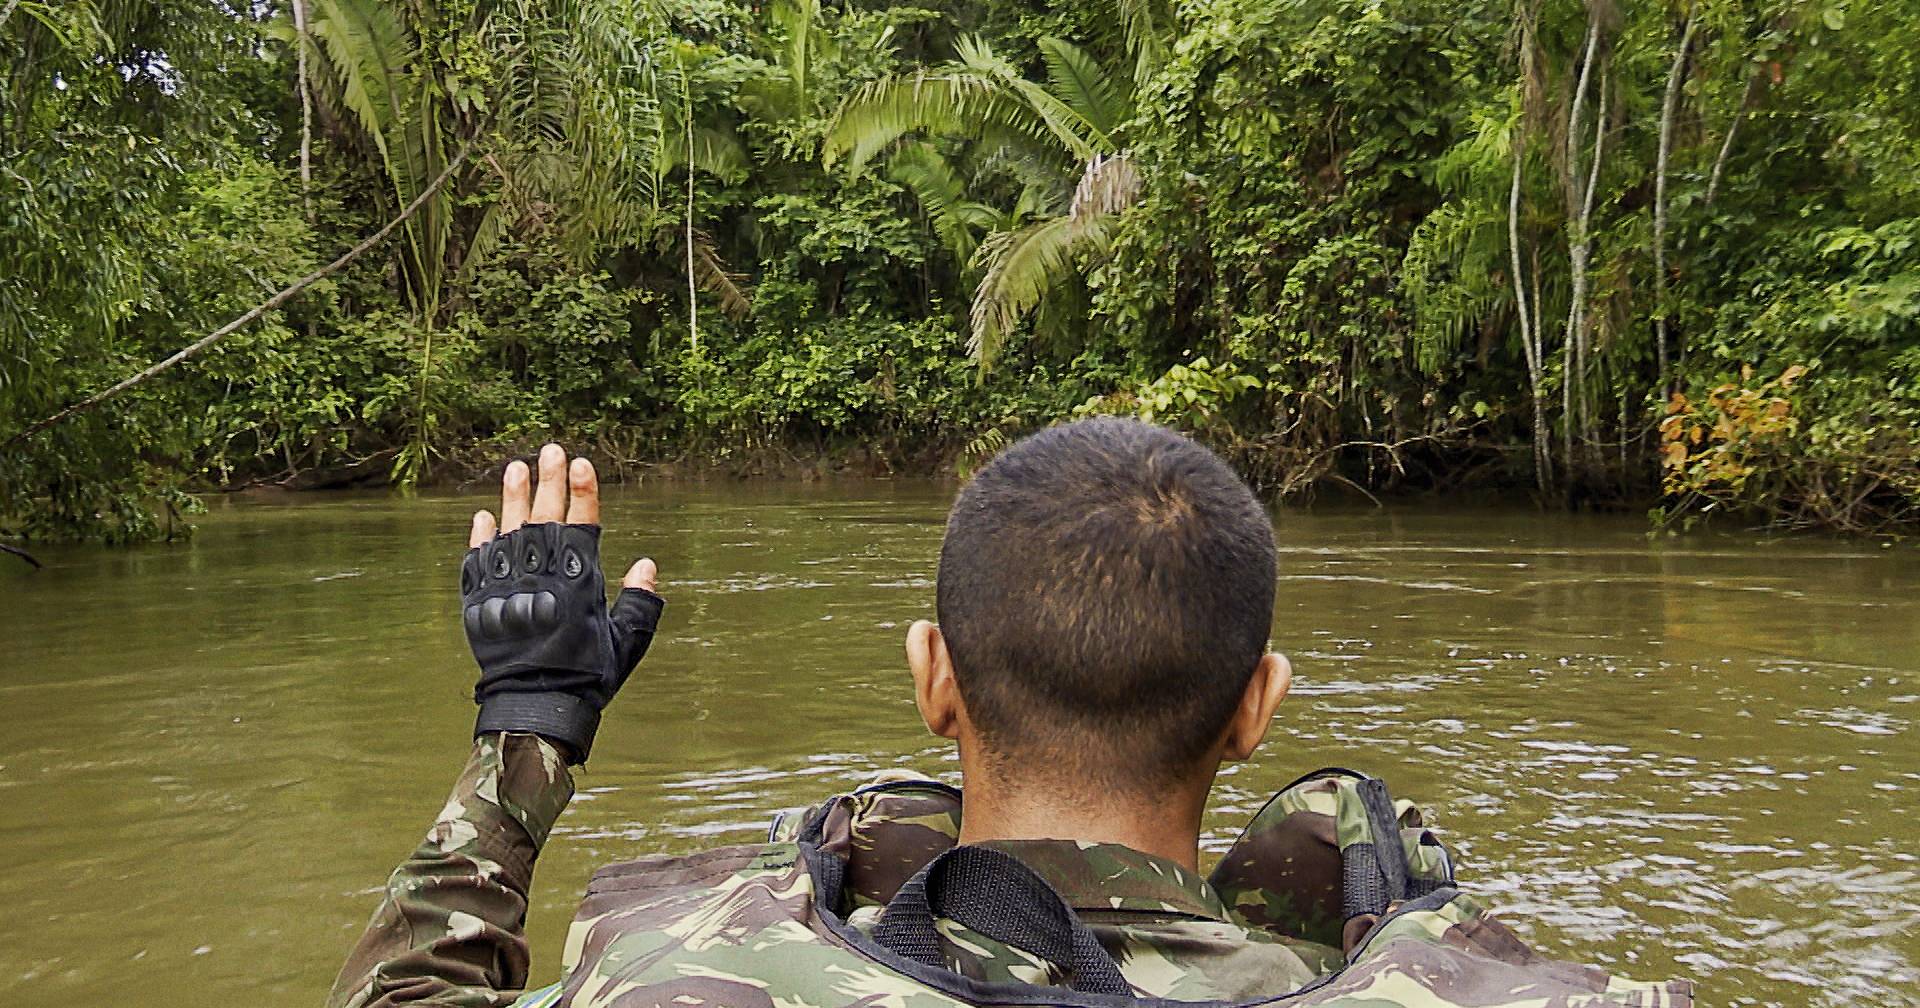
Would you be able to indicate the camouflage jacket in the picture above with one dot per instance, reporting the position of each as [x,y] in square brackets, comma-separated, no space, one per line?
[1168,931]
[697,930]
[449,930]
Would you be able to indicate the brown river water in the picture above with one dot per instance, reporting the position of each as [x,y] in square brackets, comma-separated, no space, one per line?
[1692,756]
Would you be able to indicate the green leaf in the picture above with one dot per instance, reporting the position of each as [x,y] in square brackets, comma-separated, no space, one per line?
[1076,79]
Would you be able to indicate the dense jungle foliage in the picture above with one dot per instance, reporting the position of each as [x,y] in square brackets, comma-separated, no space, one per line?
[1657,254]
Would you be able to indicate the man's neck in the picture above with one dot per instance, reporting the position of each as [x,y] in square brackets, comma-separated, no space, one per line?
[1166,826]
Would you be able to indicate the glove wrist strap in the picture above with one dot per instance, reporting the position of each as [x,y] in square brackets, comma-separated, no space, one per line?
[559,717]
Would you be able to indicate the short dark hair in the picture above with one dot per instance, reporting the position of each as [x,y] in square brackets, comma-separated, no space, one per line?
[1106,590]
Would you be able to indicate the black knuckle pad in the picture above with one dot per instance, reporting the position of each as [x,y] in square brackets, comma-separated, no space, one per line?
[471,617]
[491,625]
[546,610]
[519,614]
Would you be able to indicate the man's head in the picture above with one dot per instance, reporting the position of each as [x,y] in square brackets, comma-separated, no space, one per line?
[1104,598]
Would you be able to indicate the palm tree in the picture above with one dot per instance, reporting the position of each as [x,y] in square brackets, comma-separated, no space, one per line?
[571,126]
[1062,141]
[585,111]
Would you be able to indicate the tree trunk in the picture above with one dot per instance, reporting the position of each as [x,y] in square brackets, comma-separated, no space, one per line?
[306,106]
[693,293]
[1583,333]
[1570,350]
[1667,107]
[1622,439]
[1527,335]
[1540,350]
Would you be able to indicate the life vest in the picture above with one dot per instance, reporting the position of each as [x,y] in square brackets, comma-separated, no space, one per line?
[765,925]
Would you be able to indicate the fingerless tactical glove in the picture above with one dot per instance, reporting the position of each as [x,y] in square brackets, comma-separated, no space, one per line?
[551,653]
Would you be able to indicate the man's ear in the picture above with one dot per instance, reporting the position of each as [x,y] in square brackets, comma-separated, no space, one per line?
[935,691]
[1271,679]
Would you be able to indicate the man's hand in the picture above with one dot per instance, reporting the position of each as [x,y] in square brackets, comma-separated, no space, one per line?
[534,603]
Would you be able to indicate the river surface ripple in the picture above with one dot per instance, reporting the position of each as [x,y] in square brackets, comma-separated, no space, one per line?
[1686,756]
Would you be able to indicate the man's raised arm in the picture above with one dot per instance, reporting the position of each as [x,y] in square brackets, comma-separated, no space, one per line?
[449,930]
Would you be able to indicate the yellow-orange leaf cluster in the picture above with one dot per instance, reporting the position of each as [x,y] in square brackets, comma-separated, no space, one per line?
[1707,447]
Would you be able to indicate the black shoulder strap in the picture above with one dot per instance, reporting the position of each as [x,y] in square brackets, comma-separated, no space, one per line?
[992,893]
[1375,875]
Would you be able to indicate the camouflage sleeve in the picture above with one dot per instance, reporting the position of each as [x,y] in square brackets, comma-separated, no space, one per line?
[449,931]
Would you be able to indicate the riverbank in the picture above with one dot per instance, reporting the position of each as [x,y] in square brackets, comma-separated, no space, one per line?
[478,469]
[1464,469]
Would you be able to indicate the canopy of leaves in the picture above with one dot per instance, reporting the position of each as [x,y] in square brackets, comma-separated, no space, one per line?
[1385,243]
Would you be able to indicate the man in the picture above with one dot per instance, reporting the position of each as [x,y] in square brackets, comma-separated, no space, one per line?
[1104,597]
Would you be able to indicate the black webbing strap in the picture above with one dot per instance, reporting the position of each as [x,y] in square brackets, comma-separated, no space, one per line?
[992,893]
[829,872]
[1375,875]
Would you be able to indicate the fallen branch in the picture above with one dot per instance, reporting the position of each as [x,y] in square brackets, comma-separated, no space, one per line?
[285,295]
[1337,478]
[22,554]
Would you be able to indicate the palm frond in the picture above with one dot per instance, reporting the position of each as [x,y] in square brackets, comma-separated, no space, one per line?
[718,152]
[369,50]
[1068,126]
[1107,186]
[1031,162]
[1078,80]
[880,112]
[942,195]
[1480,163]
[806,43]
[1020,267]
[1142,22]
[1451,274]
[373,57]
[486,238]
[977,93]
[581,121]
[714,278]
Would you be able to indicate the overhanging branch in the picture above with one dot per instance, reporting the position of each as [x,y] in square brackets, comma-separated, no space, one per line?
[286,294]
